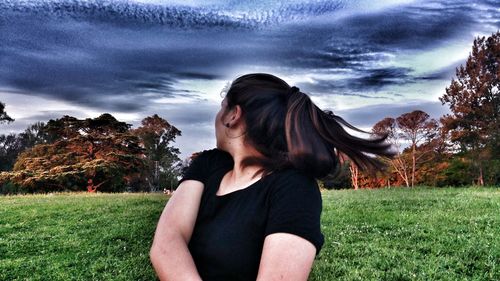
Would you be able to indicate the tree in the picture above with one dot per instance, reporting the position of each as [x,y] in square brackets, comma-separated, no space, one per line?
[399,162]
[433,158]
[10,147]
[13,144]
[474,100]
[3,115]
[416,127]
[354,175]
[35,134]
[162,161]
[353,169]
[341,179]
[101,149]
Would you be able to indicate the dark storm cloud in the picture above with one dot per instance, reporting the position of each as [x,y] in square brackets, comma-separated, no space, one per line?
[70,65]
[87,62]
[411,27]
[364,84]
[371,80]
[377,78]
[132,15]
[446,73]
[203,76]
[82,51]
[135,15]
[363,37]
[361,44]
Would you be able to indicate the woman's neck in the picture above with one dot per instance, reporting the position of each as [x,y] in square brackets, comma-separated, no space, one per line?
[239,172]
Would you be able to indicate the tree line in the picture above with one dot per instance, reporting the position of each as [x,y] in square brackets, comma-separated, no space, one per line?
[461,148]
[70,154]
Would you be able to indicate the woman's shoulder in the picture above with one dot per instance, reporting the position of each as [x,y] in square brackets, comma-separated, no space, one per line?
[214,156]
[293,179]
[293,174]
[214,159]
[203,164]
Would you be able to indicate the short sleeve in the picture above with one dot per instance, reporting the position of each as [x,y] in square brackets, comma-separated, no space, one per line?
[204,164]
[295,208]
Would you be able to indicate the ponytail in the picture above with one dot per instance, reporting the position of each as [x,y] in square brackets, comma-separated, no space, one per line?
[306,149]
[315,138]
[291,131]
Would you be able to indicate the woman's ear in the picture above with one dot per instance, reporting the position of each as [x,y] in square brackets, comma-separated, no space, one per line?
[236,114]
[233,116]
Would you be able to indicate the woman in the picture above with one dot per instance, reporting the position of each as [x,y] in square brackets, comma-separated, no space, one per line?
[250,208]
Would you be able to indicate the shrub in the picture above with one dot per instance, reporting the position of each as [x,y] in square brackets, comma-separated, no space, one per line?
[10,188]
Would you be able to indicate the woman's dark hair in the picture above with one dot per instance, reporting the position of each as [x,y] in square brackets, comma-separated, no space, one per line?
[289,130]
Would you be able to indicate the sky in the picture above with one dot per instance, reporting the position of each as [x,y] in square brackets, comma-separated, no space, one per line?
[364,60]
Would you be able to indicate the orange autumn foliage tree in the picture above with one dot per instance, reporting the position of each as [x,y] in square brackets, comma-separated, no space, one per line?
[474,100]
[417,128]
[101,149]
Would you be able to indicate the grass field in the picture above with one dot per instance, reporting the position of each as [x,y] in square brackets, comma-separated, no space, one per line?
[388,234]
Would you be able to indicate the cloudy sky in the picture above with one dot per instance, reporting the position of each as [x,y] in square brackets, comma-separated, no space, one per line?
[363,59]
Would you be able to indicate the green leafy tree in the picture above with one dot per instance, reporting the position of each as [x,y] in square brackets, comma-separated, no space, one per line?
[34,134]
[474,100]
[343,179]
[13,144]
[162,161]
[10,147]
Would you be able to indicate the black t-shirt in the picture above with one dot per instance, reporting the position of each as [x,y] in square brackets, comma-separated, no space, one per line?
[230,229]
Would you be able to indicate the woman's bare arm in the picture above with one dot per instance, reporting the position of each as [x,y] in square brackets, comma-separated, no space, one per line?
[286,257]
[169,253]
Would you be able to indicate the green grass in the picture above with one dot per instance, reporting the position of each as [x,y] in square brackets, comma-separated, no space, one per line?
[387,234]
[410,234]
[78,236]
